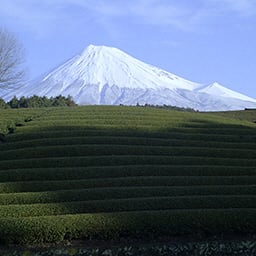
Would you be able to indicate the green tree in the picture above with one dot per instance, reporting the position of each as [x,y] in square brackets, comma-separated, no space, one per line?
[14,102]
[70,102]
[59,101]
[23,102]
[3,104]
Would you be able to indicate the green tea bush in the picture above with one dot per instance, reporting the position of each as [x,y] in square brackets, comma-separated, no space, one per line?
[184,184]
[21,209]
[178,174]
[73,131]
[122,140]
[113,160]
[117,193]
[98,150]
[29,230]
[104,172]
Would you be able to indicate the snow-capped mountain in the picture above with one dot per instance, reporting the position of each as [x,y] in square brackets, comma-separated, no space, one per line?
[106,75]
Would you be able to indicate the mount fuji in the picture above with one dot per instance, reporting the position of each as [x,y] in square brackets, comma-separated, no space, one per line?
[107,76]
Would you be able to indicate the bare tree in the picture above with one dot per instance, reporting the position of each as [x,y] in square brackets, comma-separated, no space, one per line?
[11,60]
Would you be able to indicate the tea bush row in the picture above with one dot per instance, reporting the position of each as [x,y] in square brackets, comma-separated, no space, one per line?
[30,230]
[121,192]
[72,131]
[104,150]
[126,125]
[122,140]
[115,160]
[128,204]
[203,184]
[175,174]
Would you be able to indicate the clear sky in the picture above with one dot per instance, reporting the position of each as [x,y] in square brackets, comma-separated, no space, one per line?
[200,40]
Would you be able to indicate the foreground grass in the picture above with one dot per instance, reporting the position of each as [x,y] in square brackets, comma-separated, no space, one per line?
[103,172]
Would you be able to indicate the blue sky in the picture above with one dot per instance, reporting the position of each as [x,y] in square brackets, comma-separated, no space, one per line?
[200,40]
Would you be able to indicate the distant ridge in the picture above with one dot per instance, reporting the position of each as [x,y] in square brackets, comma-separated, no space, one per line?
[107,76]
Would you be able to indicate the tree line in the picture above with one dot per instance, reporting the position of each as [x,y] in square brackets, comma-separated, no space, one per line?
[170,107]
[38,102]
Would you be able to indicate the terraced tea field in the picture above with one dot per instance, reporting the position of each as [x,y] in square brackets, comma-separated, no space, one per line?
[98,171]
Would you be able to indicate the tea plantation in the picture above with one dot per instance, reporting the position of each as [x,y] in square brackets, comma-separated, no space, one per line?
[105,172]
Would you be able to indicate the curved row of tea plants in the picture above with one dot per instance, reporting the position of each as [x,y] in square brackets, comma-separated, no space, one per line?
[100,171]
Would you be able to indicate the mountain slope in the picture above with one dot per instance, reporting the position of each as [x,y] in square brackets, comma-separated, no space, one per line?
[106,75]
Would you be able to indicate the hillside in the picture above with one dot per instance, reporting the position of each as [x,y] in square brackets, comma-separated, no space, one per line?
[103,172]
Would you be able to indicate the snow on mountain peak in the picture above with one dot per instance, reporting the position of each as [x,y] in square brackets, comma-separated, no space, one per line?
[220,91]
[107,75]
[101,65]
